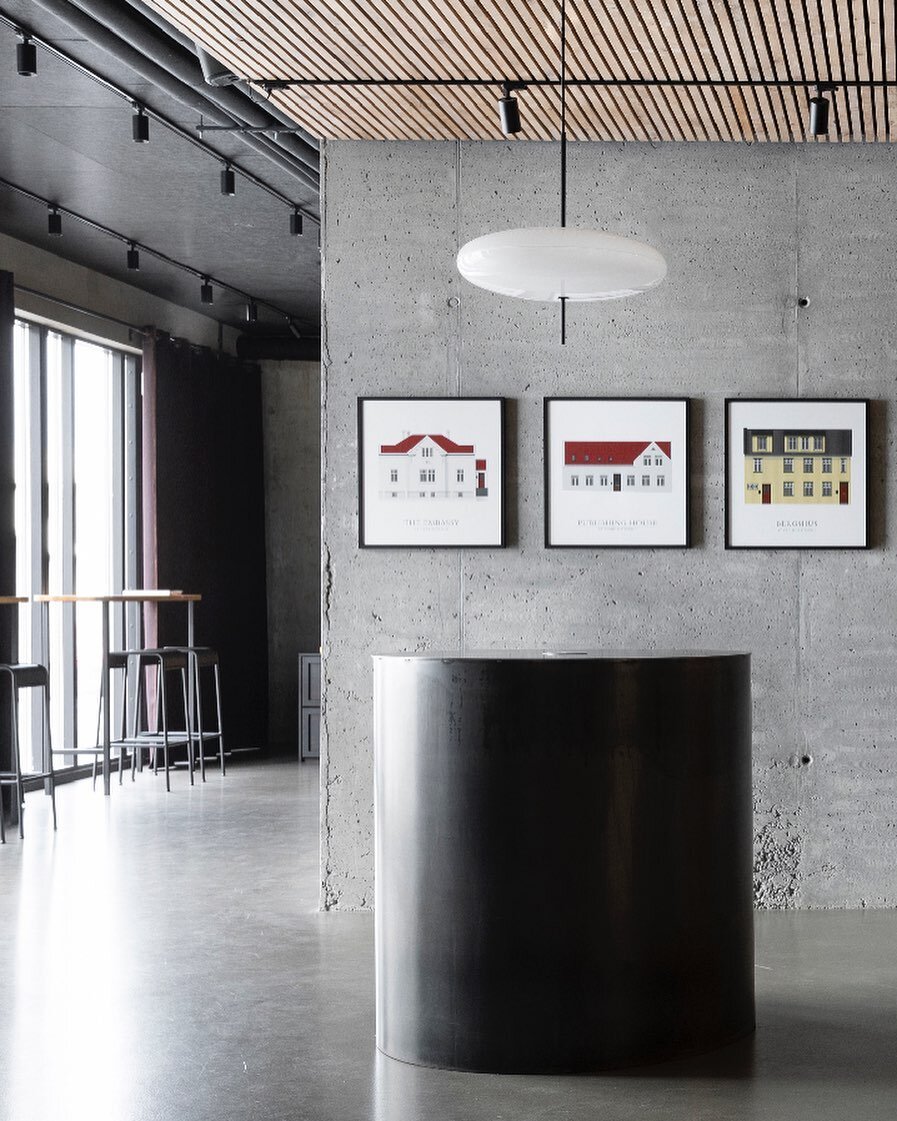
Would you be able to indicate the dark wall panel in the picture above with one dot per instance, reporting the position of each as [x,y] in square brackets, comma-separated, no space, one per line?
[8,615]
[7,465]
[210,520]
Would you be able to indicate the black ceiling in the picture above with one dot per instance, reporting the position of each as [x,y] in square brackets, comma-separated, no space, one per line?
[66,138]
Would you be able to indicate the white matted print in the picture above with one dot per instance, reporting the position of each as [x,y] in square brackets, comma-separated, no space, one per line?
[431,471]
[796,474]
[616,471]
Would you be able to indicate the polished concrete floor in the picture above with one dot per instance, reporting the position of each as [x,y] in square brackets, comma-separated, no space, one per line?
[162,959]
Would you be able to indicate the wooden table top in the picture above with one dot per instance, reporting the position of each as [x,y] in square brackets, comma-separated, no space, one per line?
[145,595]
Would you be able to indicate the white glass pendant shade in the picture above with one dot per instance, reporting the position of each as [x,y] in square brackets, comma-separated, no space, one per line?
[545,264]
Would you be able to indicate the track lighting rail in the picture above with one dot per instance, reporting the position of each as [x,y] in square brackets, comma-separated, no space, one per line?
[172,126]
[208,281]
[272,84]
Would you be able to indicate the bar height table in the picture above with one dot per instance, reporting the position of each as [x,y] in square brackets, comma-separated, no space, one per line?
[563,851]
[144,595]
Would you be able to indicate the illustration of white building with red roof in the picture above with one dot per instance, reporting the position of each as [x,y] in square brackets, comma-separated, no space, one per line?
[431,466]
[618,465]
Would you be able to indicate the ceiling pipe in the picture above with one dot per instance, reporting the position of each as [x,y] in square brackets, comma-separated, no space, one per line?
[176,71]
[250,91]
[281,348]
[183,64]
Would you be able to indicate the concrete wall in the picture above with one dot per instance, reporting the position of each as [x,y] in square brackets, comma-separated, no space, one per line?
[745,230]
[291,401]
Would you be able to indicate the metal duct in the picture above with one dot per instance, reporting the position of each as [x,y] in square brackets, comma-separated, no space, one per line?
[253,94]
[214,73]
[255,348]
[175,70]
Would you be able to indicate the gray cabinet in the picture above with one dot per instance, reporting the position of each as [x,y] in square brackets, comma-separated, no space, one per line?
[309,706]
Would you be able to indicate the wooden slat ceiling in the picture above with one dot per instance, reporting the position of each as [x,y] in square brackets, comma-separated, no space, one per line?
[656,42]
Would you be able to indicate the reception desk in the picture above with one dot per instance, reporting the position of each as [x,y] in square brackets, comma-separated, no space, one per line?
[563,858]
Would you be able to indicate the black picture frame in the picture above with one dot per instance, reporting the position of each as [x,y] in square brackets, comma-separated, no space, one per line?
[817,497]
[464,436]
[610,503]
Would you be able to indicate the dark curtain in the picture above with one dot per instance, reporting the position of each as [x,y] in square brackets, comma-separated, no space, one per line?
[204,516]
[8,615]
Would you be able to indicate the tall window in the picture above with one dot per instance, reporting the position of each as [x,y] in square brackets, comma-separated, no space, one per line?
[76,406]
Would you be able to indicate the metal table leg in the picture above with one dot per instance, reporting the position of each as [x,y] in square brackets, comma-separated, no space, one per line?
[105,691]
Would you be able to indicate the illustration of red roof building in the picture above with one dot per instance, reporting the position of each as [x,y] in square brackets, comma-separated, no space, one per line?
[431,466]
[606,452]
[618,466]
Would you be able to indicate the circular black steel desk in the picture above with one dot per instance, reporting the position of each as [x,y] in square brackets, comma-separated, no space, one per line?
[563,858]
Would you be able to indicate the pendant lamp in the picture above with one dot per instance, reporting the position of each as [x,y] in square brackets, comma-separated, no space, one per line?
[561,263]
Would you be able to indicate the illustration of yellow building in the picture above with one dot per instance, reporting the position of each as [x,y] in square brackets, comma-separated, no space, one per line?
[797,466]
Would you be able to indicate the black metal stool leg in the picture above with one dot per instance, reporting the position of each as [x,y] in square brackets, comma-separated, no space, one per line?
[17,758]
[163,694]
[48,749]
[218,710]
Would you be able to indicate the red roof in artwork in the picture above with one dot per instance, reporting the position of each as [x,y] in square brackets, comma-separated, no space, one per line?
[410,442]
[610,451]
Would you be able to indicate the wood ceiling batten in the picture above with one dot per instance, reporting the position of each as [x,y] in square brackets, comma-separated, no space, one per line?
[690,61]
[796,42]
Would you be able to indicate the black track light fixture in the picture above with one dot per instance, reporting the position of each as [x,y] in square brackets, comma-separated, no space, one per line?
[228,180]
[508,109]
[296,223]
[55,214]
[26,57]
[819,107]
[140,125]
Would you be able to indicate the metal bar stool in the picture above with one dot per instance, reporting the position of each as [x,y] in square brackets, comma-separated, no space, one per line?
[204,657]
[27,677]
[164,661]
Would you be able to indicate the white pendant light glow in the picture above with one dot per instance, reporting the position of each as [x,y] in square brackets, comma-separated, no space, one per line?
[563,262]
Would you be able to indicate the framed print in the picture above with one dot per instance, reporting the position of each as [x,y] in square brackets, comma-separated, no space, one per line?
[797,474]
[431,471]
[616,471]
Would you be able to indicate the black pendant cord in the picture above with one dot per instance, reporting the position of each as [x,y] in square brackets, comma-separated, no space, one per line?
[563,299]
[563,114]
